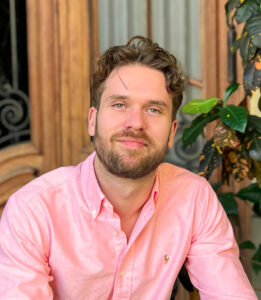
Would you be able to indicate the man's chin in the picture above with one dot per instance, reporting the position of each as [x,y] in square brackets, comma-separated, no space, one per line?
[131,151]
[128,162]
[130,171]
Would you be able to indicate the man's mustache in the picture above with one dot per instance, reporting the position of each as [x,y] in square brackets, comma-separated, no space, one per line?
[132,134]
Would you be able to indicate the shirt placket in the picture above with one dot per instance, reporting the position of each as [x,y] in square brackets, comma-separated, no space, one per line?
[125,260]
[124,277]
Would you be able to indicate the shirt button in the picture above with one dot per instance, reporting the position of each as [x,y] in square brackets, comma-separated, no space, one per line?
[114,233]
[122,274]
[105,204]
[94,213]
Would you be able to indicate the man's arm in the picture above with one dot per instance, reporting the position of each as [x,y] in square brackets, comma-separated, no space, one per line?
[213,260]
[23,253]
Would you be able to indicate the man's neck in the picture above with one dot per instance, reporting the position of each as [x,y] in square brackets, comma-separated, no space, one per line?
[126,195]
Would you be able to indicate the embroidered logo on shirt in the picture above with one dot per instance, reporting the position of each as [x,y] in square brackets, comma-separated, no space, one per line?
[166,258]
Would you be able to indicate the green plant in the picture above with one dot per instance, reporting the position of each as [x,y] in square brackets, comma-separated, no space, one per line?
[236,141]
[235,145]
[249,41]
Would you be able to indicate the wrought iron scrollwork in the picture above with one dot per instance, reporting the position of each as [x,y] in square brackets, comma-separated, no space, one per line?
[14,116]
[14,101]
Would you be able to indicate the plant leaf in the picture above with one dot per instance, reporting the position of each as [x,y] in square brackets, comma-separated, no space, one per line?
[252,74]
[234,117]
[195,106]
[230,6]
[238,163]
[210,158]
[191,133]
[253,26]
[257,209]
[254,122]
[255,149]
[250,8]
[257,257]
[251,193]
[247,49]
[247,245]
[229,203]
[225,137]
[236,44]
[256,40]
[230,90]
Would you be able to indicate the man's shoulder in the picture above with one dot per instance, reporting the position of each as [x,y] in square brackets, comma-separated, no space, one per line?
[49,181]
[182,187]
[53,192]
[55,181]
[177,180]
[53,185]
[172,173]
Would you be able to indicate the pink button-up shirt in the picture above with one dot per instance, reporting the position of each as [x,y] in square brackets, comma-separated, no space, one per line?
[60,239]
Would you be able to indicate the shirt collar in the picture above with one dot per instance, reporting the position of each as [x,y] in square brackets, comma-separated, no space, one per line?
[155,191]
[92,192]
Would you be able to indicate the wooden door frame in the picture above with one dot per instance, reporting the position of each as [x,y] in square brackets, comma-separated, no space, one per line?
[59,61]
[59,76]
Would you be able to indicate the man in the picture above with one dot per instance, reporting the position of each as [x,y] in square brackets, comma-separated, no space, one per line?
[120,225]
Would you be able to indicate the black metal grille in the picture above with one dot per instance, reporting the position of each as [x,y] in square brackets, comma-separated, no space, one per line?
[14,101]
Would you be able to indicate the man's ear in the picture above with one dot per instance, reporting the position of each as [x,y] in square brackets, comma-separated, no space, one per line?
[92,120]
[173,130]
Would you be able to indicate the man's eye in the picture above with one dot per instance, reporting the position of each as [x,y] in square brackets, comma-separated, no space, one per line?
[154,110]
[118,105]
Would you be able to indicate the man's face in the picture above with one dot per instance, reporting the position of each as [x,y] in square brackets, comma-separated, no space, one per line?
[132,128]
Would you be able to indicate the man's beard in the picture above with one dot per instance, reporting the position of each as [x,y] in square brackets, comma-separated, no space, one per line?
[136,167]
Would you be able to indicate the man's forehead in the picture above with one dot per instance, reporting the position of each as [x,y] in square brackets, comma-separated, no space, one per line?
[135,73]
[137,81]
[115,75]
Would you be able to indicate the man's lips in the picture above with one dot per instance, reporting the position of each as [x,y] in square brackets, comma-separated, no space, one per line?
[132,142]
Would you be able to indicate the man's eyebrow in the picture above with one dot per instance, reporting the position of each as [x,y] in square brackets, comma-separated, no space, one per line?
[117,97]
[159,103]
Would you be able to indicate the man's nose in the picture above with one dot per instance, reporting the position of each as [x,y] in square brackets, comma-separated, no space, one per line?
[135,119]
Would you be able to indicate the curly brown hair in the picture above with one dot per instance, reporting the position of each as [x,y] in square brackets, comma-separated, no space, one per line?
[139,50]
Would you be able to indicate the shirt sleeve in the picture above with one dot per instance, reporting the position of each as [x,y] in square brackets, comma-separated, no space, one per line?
[213,260]
[24,269]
